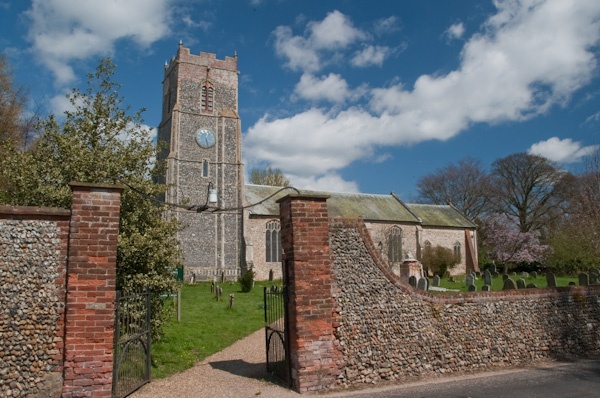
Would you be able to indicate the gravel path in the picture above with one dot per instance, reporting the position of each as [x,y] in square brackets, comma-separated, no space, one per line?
[239,371]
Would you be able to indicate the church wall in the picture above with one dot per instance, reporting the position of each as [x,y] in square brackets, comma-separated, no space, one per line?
[447,237]
[254,236]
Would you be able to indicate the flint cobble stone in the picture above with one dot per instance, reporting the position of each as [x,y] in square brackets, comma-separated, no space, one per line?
[388,331]
[30,307]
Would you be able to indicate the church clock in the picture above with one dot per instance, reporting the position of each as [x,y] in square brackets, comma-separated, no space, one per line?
[201,129]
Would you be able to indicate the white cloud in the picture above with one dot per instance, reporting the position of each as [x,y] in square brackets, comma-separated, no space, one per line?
[530,56]
[329,182]
[333,33]
[371,55]
[331,88]
[386,26]
[65,30]
[455,31]
[561,151]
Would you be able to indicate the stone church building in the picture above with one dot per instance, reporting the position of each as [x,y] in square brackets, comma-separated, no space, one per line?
[229,226]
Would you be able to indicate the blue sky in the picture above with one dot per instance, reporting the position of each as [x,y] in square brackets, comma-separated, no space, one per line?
[341,95]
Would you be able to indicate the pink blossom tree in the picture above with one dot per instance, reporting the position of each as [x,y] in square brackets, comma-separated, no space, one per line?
[506,244]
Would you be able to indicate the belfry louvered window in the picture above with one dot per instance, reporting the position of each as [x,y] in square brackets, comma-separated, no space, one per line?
[207,98]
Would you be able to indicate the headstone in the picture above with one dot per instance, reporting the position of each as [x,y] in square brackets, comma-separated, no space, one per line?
[495,274]
[513,274]
[222,277]
[584,279]
[212,287]
[533,274]
[551,279]
[593,278]
[493,268]
[436,281]
[524,275]
[595,271]
[486,288]
[231,297]
[470,280]
[531,286]
[472,288]
[412,280]
[504,277]
[521,283]
[509,284]
[487,277]
[422,284]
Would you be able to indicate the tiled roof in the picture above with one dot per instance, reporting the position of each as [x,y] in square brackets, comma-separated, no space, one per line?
[370,207]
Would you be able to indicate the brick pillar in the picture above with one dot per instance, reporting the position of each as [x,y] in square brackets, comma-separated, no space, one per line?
[308,279]
[91,290]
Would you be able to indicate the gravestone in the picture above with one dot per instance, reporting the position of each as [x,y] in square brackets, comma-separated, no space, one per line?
[472,288]
[495,274]
[493,268]
[422,284]
[486,288]
[436,281]
[521,283]
[504,277]
[509,284]
[584,279]
[595,271]
[412,281]
[513,273]
[212,287]
[593,278]
[531,286]
[551,279]
[470,280]
[487,277]
[533,274]
[524,275]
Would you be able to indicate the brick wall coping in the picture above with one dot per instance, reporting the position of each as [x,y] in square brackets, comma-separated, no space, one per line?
[463,297]
[302,196]
[95,185]
[34,211]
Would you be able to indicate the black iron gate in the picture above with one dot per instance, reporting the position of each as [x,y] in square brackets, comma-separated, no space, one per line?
[276,333]
[131,364]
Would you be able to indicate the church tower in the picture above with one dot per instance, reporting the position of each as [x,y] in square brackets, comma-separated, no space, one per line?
[201,131]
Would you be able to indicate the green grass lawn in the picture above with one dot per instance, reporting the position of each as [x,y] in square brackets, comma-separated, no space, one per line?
[498,282]
[207,325]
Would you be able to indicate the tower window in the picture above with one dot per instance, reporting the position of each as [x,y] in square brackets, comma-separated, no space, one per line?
[273,242]
[207,97]
[395,245]
[204,168]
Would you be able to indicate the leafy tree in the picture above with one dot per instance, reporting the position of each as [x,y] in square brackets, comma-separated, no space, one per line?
[575,236]
[438,259]
[269,176]
[528,189]
[100,141]
[506,244]
[464,185]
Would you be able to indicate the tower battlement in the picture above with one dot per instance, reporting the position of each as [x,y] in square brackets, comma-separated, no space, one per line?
[205,59]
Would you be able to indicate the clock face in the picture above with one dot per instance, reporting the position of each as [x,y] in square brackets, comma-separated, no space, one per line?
[205,138]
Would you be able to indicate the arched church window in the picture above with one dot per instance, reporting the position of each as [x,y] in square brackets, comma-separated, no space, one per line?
[457,253]
[395,245]
[273,242]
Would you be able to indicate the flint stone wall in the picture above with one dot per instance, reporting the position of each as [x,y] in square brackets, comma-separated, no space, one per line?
[386,330]
[32,267]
